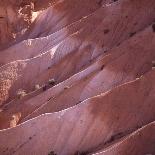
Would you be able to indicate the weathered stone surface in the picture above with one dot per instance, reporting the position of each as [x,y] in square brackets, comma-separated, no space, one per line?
[77,77]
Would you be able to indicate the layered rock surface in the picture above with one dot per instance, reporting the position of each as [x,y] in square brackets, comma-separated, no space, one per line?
[77,77]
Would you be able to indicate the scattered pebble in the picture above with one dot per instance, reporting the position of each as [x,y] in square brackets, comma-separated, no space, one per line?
[132,34]
[102,67]
[67,87]
[37,87]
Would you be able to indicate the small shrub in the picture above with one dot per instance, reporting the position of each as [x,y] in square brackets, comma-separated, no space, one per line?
[51,82]
[80,153]
[21,93]
[44,87]
[52,153]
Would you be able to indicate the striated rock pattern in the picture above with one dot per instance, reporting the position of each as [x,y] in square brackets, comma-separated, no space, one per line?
[77,77]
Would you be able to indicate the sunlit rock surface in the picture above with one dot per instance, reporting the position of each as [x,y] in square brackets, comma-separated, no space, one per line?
[77,77]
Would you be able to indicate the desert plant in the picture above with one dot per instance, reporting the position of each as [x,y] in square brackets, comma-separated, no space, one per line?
[44,87]
[80,153]
[153,63]
[51,82]
[21,93]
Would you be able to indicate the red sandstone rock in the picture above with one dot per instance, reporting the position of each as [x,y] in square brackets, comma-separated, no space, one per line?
[88,125]
[77,77]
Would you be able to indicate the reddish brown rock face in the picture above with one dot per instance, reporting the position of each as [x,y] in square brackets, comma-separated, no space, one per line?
[5,32]
[77,77]
[14,20]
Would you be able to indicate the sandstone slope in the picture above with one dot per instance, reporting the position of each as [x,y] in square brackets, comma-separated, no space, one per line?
[77,77]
